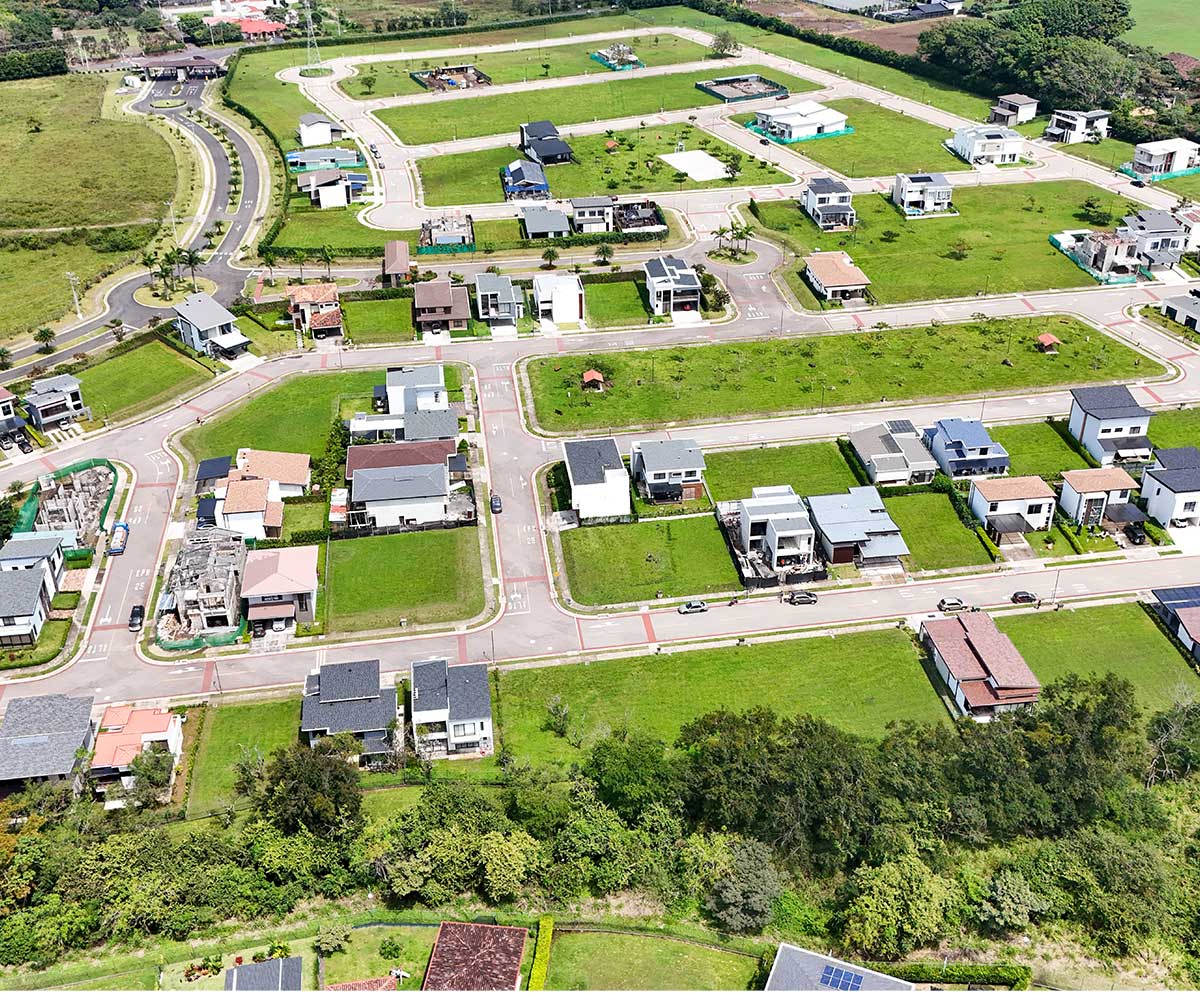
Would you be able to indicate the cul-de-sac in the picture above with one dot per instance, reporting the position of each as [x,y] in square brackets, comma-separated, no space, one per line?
[670,495]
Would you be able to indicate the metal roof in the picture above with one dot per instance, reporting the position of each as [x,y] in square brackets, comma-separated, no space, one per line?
[40,735]
[409,482]
[666,454]
[796,969]
[468,692]
[204,312]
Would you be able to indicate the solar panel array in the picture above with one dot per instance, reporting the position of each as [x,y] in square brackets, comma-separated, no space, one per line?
[833,978]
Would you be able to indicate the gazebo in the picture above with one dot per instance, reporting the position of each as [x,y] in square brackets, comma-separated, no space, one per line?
[593,379]
[1048,343]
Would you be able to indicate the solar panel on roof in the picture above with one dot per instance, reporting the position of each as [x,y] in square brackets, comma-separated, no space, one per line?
[835,978]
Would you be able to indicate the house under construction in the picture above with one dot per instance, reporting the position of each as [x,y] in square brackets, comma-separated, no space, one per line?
[204,588]
[75,501]
[451,77]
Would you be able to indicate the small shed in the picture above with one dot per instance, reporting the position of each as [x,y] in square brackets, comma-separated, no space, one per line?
[1048,343]
[593,379]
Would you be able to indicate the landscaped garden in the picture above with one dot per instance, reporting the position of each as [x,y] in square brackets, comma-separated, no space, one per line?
[616,563]
[935,536]
[688,384]
[615,95]
[810,469]
[361,958]
[585,960]
[633,165]
[135,381]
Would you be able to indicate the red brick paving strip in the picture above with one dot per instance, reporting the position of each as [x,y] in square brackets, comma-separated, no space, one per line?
[380,985]
[476,957]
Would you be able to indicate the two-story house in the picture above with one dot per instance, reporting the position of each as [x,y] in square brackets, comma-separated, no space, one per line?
[1171,486]
[541,143]
[1161,239]
[1087,494]
[315,309]
[401,495]
[965,448]
[348,698]
[1013,109]
[558,299]
[332,188]
[855,526]
[893,453]
[28,550]
[1012,505]
[280,585]
[451,709]
[45,738]
[980,666]
[1153,160]
[598,478]
[673,286]
[775,531]
[1103,252]
[828,203]
[593,215]
[668,470]
[55,400]
[923,194]
[10,421]
[440,307]
[31,570]
[1110,424]
[207,327]
[125,734]
[316,129]
[978,144]
[498,302]
[1069,127]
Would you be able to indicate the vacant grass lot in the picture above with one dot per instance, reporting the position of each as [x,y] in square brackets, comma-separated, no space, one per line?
[361,959]
[810,469]
[379,321]
[616,563]
[1038,450]
[338,227]
[474,178]
[584,961]
[998,242]
[859,682]
[1176,428]
[936,538]
[139,380]
[310,402]
[1166,25]
[615,95]
[523,65]
[266,725]
[681,384]
[424,576]
[303,517]
[617,303]
[1121,638]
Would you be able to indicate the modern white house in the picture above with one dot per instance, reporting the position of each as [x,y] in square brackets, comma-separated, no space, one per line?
[207,327]
[318,130]
[599,480]
[245,506]
[774,529]
[984,144]
[672,286]
[1087,494]
[1171,486]
[1165,156]
[1013,109]
[498,302]
[833,275]
[667,470]
[828,203]
[1110,424]
[281,584]
[35,551]
[1012,505]
[965,448]
[54,400]
[288,472]
[802,120]
[1070,127]
[30,572]
[558,299]
[893,453]
[979,665]
[593,215]
[403,495]
[451,709]
[1183,309]
[1159,236]
[332,188]
[923,194]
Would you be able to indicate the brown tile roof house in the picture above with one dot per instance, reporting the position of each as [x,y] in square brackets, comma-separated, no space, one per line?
[979,664]
[396,258]
[1099,480]
[833,270]
[1013,488]
[397,456]
[439,304]
[290,570]
[277,466]
[246,496]
[326,320]
[476,957]
[326,291]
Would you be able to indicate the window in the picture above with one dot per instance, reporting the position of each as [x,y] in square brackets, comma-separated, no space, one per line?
[302,602]
[8,621]
[1189,506]
[659,476]
[690,474]
[1135,430]
[464,729]
[1035,508]
[993,507]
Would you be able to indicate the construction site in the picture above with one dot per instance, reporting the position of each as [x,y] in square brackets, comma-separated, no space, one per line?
[75,502]
[203,594]
[451,78]
[733,89]
[618,56]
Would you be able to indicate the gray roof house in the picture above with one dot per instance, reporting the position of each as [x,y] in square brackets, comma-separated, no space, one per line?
[52,400]
[828,203]
[400,495]
[498,301]
[856,527]
[545,223]
[1161,238]
[1110,424]
[598,477]
[207,327]
[451,708]
[347,698]
[893,454]
[274,975]
[673,286]
[667,470]
[523,178]
[594,214]
[797,969]
[40,736]
[25,596]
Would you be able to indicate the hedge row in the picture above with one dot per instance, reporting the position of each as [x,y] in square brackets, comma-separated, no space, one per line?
[40,62]
[1015,977]
[855,463]
[541,954]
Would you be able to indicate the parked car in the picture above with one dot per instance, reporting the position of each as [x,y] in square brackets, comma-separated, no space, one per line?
[801,597]
[278,624]
[24,445]
[1135,533]
[692,608]
[1024,597]
[258,629]
[137,618]
[496,504]
[1138,183]
[7,442]
[764,142]
[951,604]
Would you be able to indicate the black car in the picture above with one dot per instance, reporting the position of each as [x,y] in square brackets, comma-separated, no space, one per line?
[801,597]
[496,504]
[1138,183]
[137,618]
[1135,533]
[24,445]
[1024,597]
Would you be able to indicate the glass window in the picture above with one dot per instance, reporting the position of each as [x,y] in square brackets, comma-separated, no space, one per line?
[1035,508]
[464,729]
[993,507]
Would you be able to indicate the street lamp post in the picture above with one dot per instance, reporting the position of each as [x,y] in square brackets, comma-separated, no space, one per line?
[1054,590]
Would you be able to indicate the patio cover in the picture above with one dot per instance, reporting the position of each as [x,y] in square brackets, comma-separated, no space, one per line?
[1123,513]
[229,341]
[1008,524]
[261,612]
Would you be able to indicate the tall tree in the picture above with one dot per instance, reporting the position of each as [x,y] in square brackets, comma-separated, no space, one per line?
[314,789]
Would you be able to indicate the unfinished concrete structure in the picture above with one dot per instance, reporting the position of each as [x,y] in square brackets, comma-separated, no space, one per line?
[75,501]
[204,586]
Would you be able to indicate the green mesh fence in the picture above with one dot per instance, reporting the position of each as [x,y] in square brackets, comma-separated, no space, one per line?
[201,641]
[28,513]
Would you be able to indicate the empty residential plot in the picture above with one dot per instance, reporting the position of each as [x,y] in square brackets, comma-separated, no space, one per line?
[1176,428]
[520,65]
[1038,450]
[630,167]
[339,228]
[1116,638]
[584,960]
[860,682]
[138,380]
[1167,25]
[810,469]
[379,321]
[422,576]
[616,303]
[688,384]
[618,563]
[616,95]
[360,959]
[936,538]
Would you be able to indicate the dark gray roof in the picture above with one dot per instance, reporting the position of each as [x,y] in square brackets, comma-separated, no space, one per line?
[525,172]
[214,468]
[429,690]
[206,511]
[204,312]
[929,180]
[410,482]
[1017,99]
[664,455]
[548,147]
[1153,220]
[1178,458]
[468,692]
[499,285]
[827,185]
[430,425]
[273,975]
[678,271]
[1108,401]
[313,118]
[40,735]
[347,681]
[545,220]
[797,969]
[1186,480]
[594,202]
[347,698]
[587,461]
[543,129]
[20,590]
[30,548]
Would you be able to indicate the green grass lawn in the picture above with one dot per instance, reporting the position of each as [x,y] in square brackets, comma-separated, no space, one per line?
[382,803]
[379,321]
[1111,153]
[50,643]
[498,231]
[310,402]
[376,581]
[531,65]
[1037,450]
[859,682]
[1166,25]
[724,380]
[936,538]
[303,517]
[1152,314]
[998,242]
[810,469]
[1175,428]
[1120,638]
[139,380]
[338,227]
[361,959]
[474,178]
[617,303]
[266,725]
[614,95]
[585,961]
[615,563]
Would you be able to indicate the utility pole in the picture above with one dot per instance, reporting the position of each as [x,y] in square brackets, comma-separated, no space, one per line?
[73,278]
[171,212]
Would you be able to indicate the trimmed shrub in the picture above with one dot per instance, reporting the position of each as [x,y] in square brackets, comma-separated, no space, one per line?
[541,954]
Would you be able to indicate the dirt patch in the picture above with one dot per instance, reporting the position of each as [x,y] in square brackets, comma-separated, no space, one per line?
[900,38]
[813,16]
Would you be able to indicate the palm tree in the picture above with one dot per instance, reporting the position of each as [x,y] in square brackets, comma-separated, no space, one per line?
[722,234]
[167,273]
[326,255]
[5,358]
[604,252]
[269,258]
[150,262]
[300,258]
[550,255]
[191,259]
[44,337]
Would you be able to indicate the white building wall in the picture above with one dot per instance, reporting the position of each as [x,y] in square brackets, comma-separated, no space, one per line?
[390,513]
[607,499]
[1165,506]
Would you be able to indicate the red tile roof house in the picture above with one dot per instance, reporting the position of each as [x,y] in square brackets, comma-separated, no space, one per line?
[124,733]
[315,309]
[981,667]
[476,957]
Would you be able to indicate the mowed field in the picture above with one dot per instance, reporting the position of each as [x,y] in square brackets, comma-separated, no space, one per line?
[617,95]
[810,469]
[139,380]
[584,961]
[684,384]
[1166,25]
